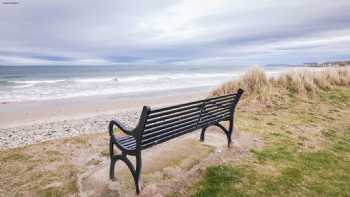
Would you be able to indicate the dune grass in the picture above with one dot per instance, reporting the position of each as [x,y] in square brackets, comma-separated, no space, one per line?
[305,83]
[306,137]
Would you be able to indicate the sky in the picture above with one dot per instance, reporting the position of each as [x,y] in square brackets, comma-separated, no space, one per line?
[170,32]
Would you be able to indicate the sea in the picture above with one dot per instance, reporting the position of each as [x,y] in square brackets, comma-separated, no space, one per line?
[35,83]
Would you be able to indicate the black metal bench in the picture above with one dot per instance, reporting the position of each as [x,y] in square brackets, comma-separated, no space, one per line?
[160,125]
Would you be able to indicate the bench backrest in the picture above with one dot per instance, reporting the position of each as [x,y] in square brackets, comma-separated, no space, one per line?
[165,123]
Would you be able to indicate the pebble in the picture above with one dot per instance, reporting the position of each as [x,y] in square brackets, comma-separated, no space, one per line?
[20,136]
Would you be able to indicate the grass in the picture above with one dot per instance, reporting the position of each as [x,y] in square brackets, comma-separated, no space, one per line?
[320,173]
[258,87]
[218,180]
[306,139]
[48,168]
[21,172]
[325,172]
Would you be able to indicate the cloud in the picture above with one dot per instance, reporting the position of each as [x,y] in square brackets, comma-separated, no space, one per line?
[168,32]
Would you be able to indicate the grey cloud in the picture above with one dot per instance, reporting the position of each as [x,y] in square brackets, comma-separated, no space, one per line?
[173,32]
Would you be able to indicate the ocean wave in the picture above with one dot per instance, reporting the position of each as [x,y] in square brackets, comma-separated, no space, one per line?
[122,91]
[68,85]
[6,83]
[148,77]
[24,90]
[156,77]
[40,81]
[94,80]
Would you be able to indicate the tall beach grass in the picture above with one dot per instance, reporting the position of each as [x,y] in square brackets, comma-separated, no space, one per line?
[304,83]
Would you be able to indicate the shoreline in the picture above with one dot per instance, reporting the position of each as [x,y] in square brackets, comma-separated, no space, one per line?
[23,113]
[29,122]
[32,122]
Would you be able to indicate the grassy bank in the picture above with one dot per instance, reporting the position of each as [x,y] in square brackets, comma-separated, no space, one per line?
[50,168]
[301,83]
[303,118]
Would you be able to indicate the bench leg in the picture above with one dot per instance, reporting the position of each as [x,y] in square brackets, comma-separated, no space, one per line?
[137,175]
[113,160]
[111,169]
[229,133]
[203,133]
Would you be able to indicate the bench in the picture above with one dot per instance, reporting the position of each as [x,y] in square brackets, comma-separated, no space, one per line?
[156,126]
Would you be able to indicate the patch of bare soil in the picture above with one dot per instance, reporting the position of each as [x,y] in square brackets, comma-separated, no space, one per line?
[170,167]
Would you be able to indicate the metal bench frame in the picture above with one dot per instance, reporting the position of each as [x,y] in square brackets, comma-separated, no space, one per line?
[134,137]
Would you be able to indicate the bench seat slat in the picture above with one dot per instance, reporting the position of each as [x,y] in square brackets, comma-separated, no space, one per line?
[230,98]
[174,107]
[172,134]
[220,97]
[166,138]
[213,109]
[225,103]
[157,137]
[185,117]
[174,112]
[189,112]
[219,104]
[173,123]
[191,103]
[158,134]
[171,116]
[154,115]
[164,132]
[131,146]
[125,139]
[209,121]
[128,142]
[218,115]
[172,120]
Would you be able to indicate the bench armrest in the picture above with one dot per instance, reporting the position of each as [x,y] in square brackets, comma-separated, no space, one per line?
[121,126]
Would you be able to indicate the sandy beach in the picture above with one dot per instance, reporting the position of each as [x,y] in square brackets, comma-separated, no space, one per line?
[29,122]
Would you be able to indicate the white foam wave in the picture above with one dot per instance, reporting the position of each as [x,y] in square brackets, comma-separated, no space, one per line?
[121,85]
[39,81]
[156,77]
[148,77]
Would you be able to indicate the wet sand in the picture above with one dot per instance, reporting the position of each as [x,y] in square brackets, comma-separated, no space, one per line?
[29,122]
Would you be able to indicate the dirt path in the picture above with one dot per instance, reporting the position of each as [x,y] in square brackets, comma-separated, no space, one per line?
[169,167]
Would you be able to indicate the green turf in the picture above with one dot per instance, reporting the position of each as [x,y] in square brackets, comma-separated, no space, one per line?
[285,166]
